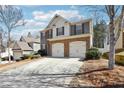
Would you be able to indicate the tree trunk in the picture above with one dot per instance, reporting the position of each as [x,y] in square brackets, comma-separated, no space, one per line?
[9,55]
[111,62]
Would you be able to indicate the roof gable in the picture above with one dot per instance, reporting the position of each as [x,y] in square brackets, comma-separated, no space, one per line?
[22,46]
[54,19]
[16,46]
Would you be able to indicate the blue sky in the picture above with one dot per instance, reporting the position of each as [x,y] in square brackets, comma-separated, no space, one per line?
[37,17]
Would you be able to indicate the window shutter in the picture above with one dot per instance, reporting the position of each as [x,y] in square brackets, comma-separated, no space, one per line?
[74,29]
[51,33]
[62,30]
[56,31]
[83,28]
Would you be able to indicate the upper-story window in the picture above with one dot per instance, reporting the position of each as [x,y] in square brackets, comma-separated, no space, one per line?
[85,27]
[81,28]
[59,31]
[43,39]
[78,29]
[73,30]
[50,33]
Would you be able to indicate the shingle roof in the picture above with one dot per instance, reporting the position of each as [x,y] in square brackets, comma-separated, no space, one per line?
[24,46]
[31,39]
[11,45]
[67,19]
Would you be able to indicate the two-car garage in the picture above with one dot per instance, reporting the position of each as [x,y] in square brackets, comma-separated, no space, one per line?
[73,46]
[74,49]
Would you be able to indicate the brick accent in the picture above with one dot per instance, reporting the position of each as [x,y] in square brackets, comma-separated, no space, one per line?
[66,44]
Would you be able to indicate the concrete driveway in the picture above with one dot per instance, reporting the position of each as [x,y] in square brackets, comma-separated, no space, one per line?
[47,72]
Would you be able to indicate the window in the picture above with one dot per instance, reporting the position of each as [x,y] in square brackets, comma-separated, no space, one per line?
[78,29]
[50,33]
[42,37]
[56,31]
[43,46]
[60,31]
[86,28]
[83,28]
[73,29]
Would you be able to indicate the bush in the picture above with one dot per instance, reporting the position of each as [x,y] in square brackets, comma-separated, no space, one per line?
[119,63]
[34,56]
[119,59]
[6,58]
[25,57]
[30,56]
[106,54]
[93,53]
[119,50]
[42,52]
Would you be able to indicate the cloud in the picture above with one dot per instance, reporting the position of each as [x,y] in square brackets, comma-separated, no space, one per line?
[73,7]
[18,33]
[40,20]
[31,22]
[40,15]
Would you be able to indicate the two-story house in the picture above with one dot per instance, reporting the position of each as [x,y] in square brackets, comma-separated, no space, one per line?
[63,38]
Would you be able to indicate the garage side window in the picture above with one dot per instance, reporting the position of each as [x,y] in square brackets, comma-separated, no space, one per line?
[59,31]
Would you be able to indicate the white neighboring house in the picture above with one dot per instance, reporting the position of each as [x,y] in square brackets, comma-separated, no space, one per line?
[20,49]
[119,43]
[32,42]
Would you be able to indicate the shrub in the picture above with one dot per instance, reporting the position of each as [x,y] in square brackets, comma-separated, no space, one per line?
[119,59]
[119,63]
[30,56]
[119,50]
[6,58]
[42,52]
[34,56]
[93,53]
[106,54]
[25,57]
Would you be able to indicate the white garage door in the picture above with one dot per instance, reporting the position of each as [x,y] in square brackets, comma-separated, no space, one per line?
[77,49]
[17,54]
[58,50]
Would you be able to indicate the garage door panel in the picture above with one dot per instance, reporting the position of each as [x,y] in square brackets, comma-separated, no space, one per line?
[58,50]
[17,54]
[77,49]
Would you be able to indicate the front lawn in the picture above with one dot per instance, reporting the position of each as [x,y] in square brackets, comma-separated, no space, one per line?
[96,74]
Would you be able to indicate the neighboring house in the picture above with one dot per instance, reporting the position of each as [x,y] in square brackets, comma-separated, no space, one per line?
[20,49]
[26,46]
[32,42]
[63,38]
[119,43]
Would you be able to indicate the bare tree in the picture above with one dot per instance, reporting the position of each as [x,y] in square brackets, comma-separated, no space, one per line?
[1,30]
[114,27]
[115,15]
[10,17]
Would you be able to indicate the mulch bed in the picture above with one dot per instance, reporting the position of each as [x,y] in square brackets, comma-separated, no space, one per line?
[94,73]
